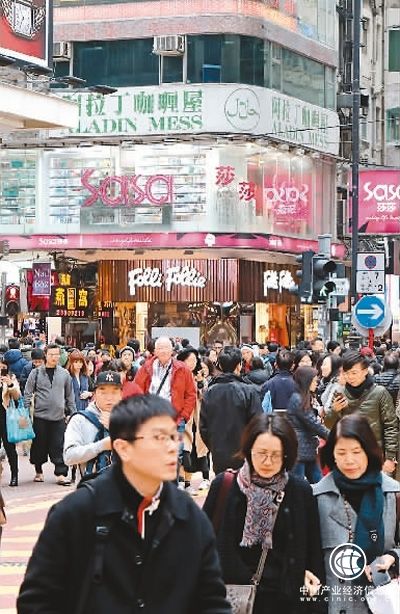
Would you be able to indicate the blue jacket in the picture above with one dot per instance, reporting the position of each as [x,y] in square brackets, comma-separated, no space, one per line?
[15,361]
[83,386]
[281,386]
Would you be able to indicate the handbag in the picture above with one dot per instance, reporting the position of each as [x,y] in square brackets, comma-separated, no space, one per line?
[19,425]
[267,403]
[240,596]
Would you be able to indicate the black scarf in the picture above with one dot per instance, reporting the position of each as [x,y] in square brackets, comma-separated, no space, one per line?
[370,530]
[357,391]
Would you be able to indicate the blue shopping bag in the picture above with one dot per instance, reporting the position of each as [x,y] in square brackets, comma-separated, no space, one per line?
[19,425]
[267,403]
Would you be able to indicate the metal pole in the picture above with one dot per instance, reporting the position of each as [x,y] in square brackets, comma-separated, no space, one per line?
[355,144]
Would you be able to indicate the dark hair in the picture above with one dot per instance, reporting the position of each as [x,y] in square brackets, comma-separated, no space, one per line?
[209,364]
[202,350]
[59,341]
[51,346]
[336,364]
[134,344]
[352,358]
[276,425]
[391,361]
[229,359]
[303,377]
[332,345]
[13,343]
[273,347]
[128,415]
[256,363]
[298,355]
[150,346]
[218,341]
[353,426]
[184,343]
[37,354]
[284,360]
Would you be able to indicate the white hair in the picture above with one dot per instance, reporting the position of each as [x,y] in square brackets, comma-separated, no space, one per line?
[161,340]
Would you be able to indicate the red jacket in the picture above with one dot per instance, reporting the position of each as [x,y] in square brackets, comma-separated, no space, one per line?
[130,389]
[183,389]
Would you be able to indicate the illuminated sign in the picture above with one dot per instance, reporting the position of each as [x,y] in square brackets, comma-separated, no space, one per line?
[184,276]
[278,280]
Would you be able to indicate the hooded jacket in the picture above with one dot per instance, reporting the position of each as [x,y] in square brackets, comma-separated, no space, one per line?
[15,361]
[227,407]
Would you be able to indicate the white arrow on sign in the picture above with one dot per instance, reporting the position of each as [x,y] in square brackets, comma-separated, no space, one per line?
[376,311]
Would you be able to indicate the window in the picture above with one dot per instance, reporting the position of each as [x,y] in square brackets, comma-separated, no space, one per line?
[171,69]
[252,61]
[394,50]
[204,58]
[276,67]
[393,125]
[303,78]
[117,63]
[330,88]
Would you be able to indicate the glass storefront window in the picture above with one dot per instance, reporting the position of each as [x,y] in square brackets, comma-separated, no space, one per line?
[178,187]
[172,69]
[18,184]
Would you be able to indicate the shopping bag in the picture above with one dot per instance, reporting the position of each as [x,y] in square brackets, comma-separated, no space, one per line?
[267,403]
[19,425]
[385,599]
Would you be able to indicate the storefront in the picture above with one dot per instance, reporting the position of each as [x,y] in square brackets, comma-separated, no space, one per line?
[233,300]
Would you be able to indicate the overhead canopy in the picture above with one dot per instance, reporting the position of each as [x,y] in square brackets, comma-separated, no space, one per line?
[22,108]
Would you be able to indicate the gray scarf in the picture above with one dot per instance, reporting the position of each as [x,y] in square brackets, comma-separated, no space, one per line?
[262,506]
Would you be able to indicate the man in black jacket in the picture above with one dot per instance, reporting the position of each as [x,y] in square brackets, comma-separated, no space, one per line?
[227,407]
[281,385]
[129,540]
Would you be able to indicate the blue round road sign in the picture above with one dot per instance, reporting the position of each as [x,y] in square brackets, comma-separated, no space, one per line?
[369,311]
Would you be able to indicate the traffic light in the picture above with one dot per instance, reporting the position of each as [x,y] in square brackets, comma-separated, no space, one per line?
[322,284]
[304,287]
[12,301]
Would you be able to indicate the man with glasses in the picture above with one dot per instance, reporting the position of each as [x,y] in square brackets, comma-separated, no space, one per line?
[54,399]
[128,540]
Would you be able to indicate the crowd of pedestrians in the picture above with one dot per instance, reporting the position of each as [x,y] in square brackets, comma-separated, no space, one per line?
[304,444]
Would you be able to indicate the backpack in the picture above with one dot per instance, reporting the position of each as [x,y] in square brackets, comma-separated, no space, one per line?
[104,458]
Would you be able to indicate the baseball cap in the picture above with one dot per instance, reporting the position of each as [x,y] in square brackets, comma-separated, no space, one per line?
[108,378]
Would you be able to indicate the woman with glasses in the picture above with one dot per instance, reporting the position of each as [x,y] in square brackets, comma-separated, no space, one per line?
[266,507]
[306,423]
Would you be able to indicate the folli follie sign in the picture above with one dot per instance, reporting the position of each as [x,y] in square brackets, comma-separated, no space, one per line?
[70,302]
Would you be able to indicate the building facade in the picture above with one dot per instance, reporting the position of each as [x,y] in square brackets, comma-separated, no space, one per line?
[220,143]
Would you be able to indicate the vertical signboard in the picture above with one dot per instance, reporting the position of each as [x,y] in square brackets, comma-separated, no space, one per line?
[41,279]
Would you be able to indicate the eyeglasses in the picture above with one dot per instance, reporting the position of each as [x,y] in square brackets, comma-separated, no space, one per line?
[161,438]
[264,456]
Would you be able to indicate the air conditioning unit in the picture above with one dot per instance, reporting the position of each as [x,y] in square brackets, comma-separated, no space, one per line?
[62,50]
[169,45]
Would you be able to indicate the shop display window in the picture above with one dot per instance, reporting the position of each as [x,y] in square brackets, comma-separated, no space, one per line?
[18,179]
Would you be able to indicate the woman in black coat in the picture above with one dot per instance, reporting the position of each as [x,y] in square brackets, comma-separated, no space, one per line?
[250,516]
[307,424]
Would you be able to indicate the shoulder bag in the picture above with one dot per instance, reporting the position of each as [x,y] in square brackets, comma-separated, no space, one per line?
[164,379]
[240,596]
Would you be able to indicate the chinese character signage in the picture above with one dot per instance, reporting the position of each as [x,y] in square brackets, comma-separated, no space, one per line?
[41,279]
[25,30]
[207,108]
[379,202]
[71,302]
